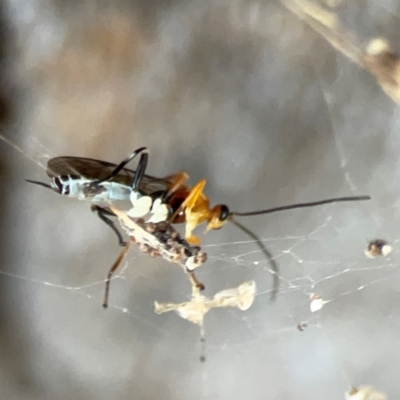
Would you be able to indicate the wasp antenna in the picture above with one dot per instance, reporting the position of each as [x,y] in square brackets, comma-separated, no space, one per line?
[302,205]
[266,252]
[42,184]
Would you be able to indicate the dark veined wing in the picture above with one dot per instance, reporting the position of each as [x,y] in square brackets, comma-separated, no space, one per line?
[97,169]
[83,167]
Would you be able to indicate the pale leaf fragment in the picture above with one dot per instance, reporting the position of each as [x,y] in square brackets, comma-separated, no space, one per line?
[194,310]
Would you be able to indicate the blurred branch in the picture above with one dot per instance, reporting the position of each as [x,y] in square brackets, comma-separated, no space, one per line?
[376,57]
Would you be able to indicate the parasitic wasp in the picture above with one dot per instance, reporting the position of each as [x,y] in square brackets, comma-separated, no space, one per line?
[168,198]
[153,200]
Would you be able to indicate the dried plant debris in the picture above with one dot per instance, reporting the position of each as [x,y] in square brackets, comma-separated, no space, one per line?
[377,56]
[384,63]
[378,248]
[194,310]
[161,239]
[364,393]
[158,240]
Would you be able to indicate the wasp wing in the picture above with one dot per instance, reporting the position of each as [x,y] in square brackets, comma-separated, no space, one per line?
[97,170]
[81,167]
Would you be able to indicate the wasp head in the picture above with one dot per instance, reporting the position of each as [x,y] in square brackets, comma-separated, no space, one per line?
[218,217]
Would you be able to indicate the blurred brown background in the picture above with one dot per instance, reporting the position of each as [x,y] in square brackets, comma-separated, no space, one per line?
[248,96]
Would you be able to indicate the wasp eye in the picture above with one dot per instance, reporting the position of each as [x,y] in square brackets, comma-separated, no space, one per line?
[224,214]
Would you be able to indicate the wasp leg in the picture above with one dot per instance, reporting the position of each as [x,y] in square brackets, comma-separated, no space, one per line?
[140,170]
[193,218]
[195,282]
[113,269]
[123,164]
[103,214]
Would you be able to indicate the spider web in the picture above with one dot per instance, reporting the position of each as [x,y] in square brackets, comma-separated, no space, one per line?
[57,254]
[67,253]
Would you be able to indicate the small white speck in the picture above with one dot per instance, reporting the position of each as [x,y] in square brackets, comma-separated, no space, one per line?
[316,302]
[386,250]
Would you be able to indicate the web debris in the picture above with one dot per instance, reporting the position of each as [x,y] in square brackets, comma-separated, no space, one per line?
[194,310]
[162,239]
[378,247]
